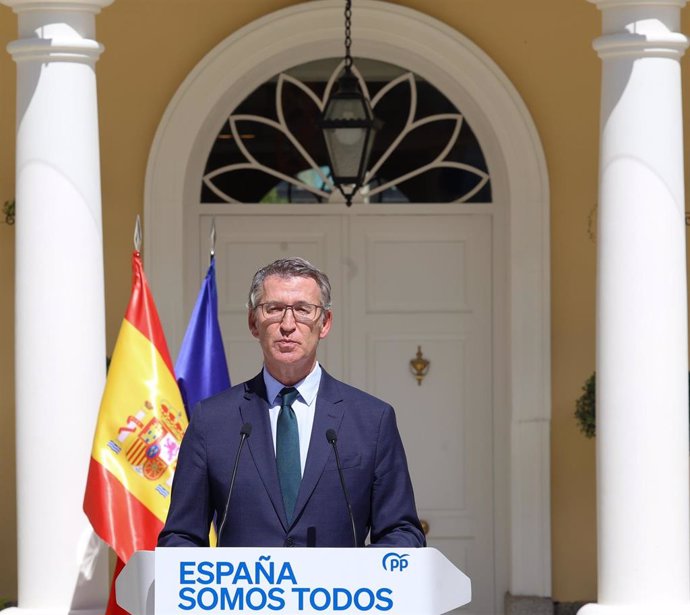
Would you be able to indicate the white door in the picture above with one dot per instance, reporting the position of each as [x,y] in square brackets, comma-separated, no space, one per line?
[399,282]
[424,282]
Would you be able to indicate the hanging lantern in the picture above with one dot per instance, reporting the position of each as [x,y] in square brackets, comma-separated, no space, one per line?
[349,126]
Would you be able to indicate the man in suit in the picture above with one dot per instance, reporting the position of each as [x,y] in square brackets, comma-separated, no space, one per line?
[288,490]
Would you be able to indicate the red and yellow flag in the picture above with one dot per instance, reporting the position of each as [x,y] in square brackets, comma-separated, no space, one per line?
[140,426]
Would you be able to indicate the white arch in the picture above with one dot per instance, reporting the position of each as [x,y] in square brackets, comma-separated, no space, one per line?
[499,118]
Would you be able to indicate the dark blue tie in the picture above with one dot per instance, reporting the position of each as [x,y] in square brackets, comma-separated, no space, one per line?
[287,451]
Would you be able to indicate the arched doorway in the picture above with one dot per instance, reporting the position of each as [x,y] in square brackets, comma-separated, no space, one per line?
[516,544]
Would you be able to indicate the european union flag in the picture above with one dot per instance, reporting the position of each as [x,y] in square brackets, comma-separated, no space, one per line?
[201,368]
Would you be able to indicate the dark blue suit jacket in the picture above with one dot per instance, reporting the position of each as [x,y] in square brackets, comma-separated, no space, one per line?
[371,455]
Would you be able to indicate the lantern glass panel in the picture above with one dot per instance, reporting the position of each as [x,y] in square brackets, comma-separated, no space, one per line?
[347,109]
[345,148]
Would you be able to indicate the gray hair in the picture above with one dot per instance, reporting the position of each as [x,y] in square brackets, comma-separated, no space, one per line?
[294,267]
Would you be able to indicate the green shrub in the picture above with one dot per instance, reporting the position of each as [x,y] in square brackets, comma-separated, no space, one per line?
[586,407]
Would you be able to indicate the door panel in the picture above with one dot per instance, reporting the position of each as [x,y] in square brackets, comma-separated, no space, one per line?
[425,281]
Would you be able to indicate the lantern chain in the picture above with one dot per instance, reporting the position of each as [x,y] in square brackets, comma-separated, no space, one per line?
[348,35]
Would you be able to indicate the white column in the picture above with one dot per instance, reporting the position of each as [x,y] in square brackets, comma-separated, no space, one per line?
[60,320]
[642,364]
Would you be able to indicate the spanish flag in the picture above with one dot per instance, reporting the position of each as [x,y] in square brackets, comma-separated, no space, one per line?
[140,426]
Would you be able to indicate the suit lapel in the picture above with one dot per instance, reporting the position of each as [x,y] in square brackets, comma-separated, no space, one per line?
[328,415]
[254,410]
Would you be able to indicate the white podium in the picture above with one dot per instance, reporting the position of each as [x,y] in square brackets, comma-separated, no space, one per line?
[205,581]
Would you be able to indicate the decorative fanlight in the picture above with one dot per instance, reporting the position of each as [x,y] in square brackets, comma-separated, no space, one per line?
[349,126]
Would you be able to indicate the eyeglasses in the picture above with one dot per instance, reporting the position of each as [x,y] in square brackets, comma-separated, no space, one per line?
[302,312]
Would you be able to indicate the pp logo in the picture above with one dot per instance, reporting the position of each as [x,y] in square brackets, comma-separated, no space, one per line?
[395,562]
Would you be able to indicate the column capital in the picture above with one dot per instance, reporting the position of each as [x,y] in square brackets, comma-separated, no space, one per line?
[91,6]
[617,4]
[43,50]
[667,45]
[56,30]
[640,28]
